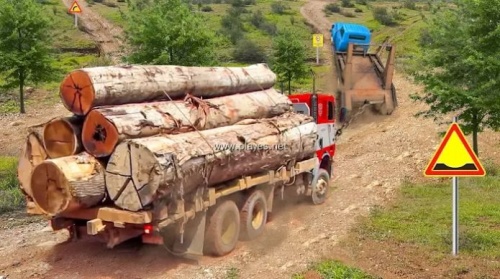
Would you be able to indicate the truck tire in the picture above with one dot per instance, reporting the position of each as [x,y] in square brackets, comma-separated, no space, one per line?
[253,216]
[322,187]
[223,229]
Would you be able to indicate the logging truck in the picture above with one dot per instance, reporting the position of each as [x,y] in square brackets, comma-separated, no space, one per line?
[362,78]
[211,220]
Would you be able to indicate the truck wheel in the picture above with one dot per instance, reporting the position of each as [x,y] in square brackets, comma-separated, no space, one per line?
[320,192]
[223,229]
[253,216]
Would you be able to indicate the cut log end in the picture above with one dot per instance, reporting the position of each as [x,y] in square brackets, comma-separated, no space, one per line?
[60,138]
[50,188]
[77,92]
[68,183]
[32,155]
[127,175]
[99,135]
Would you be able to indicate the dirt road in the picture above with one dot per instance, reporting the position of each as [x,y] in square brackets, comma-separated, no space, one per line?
[374,155]
[107,35]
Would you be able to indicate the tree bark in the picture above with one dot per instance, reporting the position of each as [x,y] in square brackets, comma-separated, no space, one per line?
[68,183]
[87,88]
[32,155]
[141,171]
[62,136]
[105,127]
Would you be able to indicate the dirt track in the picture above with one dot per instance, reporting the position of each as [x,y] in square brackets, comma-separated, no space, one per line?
[374,155]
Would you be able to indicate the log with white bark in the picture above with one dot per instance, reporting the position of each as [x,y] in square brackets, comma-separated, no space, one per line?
[87,88]
[62,136]
[32,154]
[105,127]
[141,171]
[68,183]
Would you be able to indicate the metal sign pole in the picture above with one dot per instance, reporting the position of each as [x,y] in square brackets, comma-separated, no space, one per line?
[454,184]
[455,216]
[76,20]
[317,55]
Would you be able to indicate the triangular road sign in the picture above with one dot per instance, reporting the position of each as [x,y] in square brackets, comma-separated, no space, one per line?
[454,157]
[75,8]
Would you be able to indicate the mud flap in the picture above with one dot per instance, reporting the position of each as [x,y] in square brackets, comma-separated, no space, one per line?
[315,173]
[193,239]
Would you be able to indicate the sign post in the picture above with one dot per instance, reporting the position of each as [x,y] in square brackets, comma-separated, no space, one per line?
[317,43]
[75,9]
[454,158]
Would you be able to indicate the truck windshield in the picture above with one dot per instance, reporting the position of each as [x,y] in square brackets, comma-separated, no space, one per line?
[357,37]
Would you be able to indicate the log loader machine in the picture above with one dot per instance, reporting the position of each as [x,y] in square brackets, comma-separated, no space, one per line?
[362,78]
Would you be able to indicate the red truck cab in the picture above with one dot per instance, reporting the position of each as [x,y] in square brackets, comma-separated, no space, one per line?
[322,108]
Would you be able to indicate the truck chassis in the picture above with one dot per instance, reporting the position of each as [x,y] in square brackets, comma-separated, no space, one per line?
[209,221]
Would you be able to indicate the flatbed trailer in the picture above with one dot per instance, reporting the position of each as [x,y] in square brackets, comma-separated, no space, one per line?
[362,77]
[194,225]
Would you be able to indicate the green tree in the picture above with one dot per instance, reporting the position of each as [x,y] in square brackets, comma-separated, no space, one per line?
[168,32]
[289,57]
[25,54]
[461,66]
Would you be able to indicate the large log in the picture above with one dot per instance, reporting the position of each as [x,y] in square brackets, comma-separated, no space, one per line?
[141,171]
[87,88]
[105,127]
[68,183]
[32,154]
[62,136]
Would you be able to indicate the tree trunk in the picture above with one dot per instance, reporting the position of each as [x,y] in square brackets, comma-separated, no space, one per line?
[84,89]
[105,127]
[475,130]
[68,183]
[62,136]
[143,170]
[21,91]
[32,155]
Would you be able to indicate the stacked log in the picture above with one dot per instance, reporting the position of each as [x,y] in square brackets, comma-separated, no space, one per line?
[68,183]
[138,133]
[105,127]
[141,170]
[62,136]
[87,88]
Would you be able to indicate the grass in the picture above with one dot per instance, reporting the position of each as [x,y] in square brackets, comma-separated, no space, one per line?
[11,197]
[334,270]
[422,216]
[232,273]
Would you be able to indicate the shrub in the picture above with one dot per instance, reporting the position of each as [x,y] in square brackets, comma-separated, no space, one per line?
[249,2]
[121,1]
[257,19]
[278,8]
[269,28]
[292,20]
[358,10]
[347,4]
[206,9]
[410,4]
[362,2]
[333,8]
[248,52]
[381,15]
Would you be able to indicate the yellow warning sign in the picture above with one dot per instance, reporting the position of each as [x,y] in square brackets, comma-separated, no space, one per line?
[75,8]
[317,40]
[454,157]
